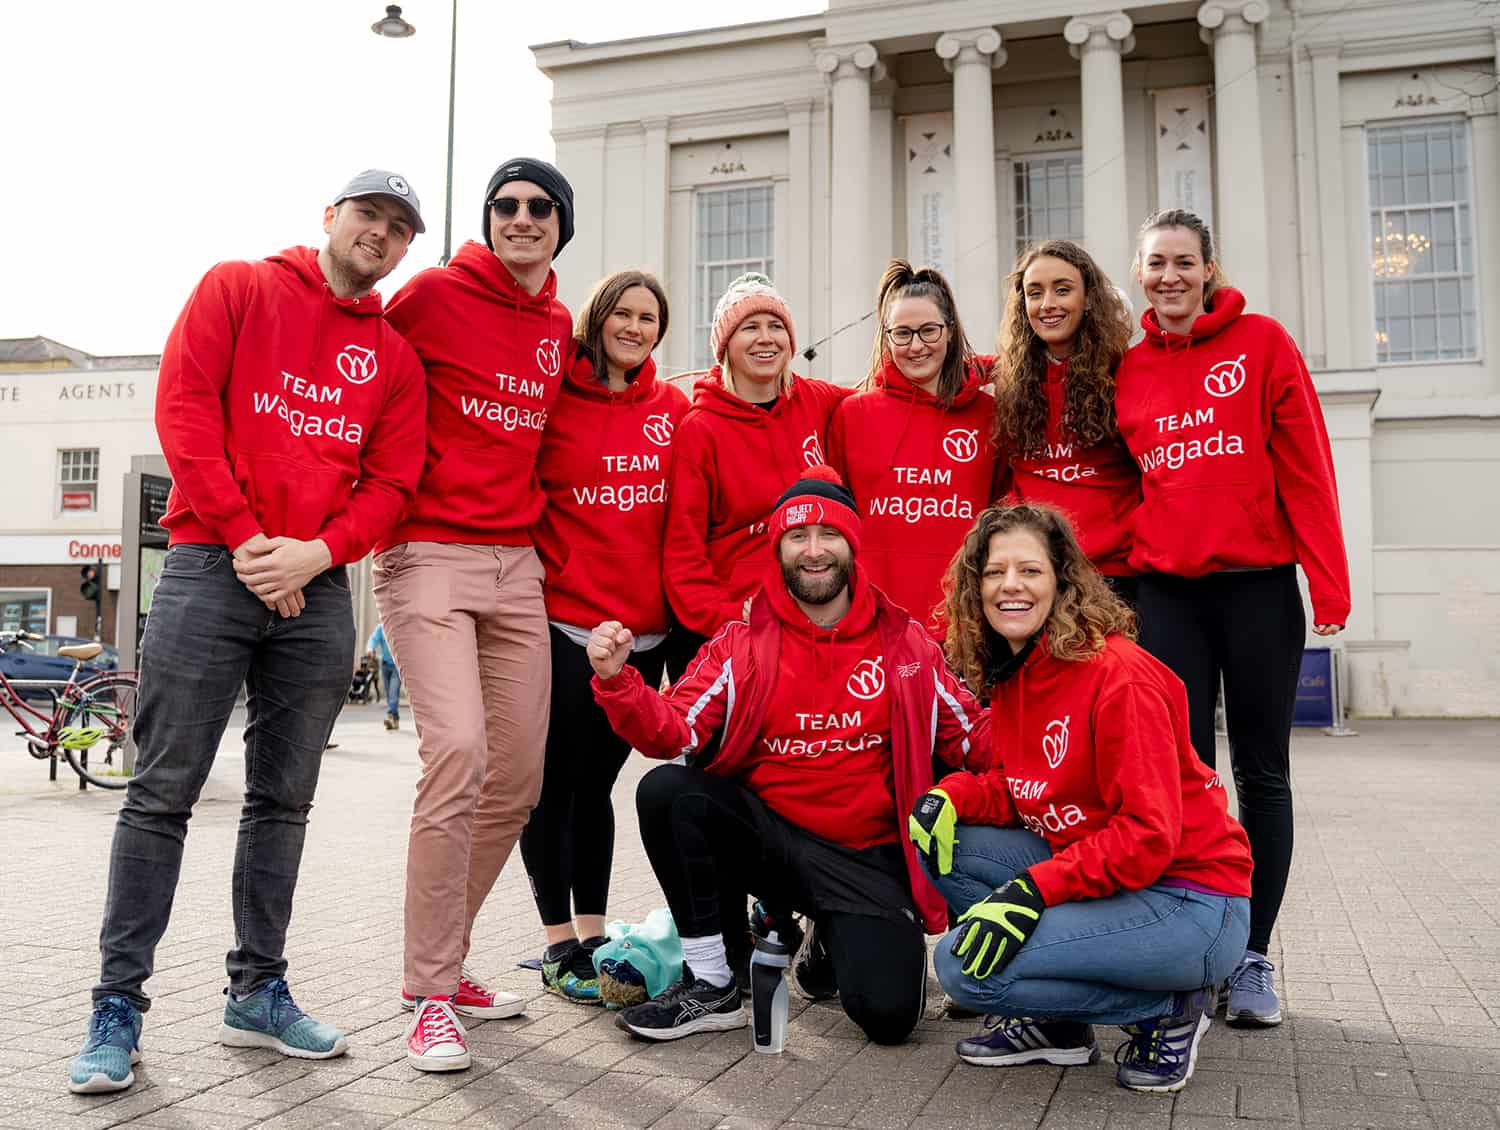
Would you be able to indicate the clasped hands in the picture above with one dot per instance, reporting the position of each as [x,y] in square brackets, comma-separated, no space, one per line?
[992,931]
[277,569]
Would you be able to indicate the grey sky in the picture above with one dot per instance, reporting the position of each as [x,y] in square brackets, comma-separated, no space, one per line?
[147,140]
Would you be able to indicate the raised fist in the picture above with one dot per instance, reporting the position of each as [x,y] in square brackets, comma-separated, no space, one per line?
[609,647]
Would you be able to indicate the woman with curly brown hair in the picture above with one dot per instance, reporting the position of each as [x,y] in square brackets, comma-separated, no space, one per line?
[1066,328]
[1099,876]
[915,444]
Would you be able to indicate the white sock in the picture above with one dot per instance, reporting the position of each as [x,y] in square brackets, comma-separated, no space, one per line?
[707,959]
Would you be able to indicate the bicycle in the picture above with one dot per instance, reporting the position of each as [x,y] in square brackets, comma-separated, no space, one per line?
[89,716]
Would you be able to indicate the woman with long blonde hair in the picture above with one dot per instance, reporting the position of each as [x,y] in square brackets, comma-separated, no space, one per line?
[1095,869]
[1066,328]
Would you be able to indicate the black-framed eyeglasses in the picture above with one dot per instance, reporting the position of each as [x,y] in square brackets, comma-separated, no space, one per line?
[927,331]
[539,207]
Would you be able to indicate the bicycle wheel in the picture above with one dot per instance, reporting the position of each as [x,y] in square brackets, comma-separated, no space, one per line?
[96,727]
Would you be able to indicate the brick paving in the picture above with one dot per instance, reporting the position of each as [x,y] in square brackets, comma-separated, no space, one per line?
[1389,950]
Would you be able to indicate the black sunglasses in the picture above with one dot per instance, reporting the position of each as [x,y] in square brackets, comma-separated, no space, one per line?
[540,207]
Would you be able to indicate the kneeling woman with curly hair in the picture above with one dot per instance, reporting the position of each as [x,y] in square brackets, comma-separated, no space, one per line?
[1099,876]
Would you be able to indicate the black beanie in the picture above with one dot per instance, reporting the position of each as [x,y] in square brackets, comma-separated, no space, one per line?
[538,173]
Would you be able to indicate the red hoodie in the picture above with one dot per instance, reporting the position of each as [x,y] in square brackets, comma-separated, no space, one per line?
[921,474]
[1236,469]
[1094,756]
[285,410]
[1098,487]
[604,463]
[731,461]
[495,357]
[793,704]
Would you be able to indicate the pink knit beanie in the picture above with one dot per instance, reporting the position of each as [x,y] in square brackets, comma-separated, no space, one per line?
[751,293]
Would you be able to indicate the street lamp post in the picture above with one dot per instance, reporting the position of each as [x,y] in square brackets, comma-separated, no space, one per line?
[393,26]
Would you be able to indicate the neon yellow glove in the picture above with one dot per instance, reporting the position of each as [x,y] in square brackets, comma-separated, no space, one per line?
[931,828]
[997,927]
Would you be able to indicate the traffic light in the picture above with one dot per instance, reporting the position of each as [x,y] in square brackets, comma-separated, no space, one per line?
[89,586]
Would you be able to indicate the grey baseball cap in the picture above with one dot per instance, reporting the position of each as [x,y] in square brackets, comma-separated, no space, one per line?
[383,182]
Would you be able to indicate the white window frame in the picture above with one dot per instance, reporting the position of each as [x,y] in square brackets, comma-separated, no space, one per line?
[26,595]
[66,485]
[704,303]
[1371,129]
[1024,240]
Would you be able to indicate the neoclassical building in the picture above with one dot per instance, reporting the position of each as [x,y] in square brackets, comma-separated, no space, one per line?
[1346,151]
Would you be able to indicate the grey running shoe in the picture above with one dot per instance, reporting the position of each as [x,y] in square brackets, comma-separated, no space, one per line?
[1253,1002]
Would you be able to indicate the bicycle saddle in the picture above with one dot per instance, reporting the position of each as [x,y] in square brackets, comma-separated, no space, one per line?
[82,652]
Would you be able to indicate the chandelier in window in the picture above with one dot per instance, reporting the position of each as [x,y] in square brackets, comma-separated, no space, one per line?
[1395,252]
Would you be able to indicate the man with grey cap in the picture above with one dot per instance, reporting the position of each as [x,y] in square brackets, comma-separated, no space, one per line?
[291,415]
[460,586]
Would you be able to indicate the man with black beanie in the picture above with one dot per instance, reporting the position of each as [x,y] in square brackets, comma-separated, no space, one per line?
[812,728]
[460,586]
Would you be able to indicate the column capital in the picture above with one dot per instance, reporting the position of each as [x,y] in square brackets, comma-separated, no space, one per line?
[1230,17]
[850,60]
[1107,31]
[658,124]
[971,45]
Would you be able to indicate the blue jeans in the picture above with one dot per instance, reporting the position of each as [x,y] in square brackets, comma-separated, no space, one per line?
[208,635]
[390,678]
[1114,960]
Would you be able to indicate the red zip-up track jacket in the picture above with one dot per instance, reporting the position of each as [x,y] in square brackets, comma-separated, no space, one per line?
[1094,756]
[921,474]
[285,410]
[495,357]
[604,464]
[1236,470]
[1098,487]
[731,461]
[779,672]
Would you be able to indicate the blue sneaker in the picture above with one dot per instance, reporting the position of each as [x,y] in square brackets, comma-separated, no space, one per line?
[1005,1042]
[269,1018]
[1253,1002]
[113,1045]
[1161,1052]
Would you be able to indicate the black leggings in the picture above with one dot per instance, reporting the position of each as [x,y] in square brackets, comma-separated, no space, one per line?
[706,835]
[568,844]
[1248,627]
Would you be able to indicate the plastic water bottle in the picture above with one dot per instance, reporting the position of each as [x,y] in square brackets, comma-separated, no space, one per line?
[769,1001]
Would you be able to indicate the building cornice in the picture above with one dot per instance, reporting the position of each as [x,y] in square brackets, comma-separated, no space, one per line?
[566,53]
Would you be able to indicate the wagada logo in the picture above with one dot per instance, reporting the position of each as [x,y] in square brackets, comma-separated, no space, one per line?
[961,444]
[356,364]
[658,429]
[812,451]
[549,355]
[1055,741]
[867,680]
[1226,378]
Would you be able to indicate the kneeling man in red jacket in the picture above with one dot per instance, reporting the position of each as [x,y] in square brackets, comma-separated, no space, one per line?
[811,729]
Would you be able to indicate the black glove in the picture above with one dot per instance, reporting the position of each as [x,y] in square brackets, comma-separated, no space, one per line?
[993,930]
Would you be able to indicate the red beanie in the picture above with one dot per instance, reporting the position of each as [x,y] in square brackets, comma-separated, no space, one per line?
[818,498]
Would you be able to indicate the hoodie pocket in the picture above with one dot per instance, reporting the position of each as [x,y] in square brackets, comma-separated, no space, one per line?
[289,498]
[1192,530]
[481,489]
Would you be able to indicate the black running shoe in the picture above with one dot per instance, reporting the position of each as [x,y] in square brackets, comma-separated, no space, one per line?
[689,1006]
[812,972]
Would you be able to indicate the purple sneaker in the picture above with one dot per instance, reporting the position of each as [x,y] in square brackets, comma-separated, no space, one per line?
[1004,1041]
[1161,1052]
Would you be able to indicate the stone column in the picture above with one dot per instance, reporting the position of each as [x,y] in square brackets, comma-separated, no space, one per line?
[970,56]
[849,70]
[1230,26]
[1097,42]
[794,277]
[654,177]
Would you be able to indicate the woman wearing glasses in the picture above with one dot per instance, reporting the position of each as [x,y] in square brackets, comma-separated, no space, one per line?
[754,427]
[915,443]
[604,463]
[460,586]
[1065,330]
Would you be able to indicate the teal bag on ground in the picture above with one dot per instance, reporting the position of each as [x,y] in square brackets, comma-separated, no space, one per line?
[640,960]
